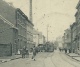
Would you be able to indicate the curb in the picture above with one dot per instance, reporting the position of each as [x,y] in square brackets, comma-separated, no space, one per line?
[73,58]
[9,60]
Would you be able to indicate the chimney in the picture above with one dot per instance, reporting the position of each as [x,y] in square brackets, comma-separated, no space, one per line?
[30,12]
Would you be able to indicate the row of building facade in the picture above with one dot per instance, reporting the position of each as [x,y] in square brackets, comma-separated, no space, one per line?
[16,30]
[38,38]
[71,38]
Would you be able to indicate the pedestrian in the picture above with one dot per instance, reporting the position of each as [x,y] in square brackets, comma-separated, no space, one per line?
[65,50]
[36,49]
[27,53]
[23,52]
[34,53]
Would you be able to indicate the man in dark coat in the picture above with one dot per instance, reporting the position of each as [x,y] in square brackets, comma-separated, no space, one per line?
[34,53]
[27,53]
[23,52]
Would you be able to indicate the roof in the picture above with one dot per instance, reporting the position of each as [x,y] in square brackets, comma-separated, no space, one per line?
[24,15]
[73,25]
[7,11]
[78,5]
[9,23]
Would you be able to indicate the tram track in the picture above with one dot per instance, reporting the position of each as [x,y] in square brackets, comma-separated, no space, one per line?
[64,60]
[68,61]
[46,58]
[54,63]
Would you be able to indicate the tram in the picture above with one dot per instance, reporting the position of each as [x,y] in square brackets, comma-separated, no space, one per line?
[49,47]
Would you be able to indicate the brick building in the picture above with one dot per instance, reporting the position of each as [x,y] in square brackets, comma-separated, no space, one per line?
[8,35]
[15,29]
[8,29]
[25,30]
[29,34]
[21,23]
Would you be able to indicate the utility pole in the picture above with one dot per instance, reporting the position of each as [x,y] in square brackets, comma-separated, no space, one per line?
[38,38]
[47,32]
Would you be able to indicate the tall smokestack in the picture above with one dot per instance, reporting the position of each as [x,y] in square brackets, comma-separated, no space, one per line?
[30,12]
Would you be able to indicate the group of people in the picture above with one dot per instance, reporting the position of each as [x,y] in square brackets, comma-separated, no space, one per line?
[25,52]
[65,50]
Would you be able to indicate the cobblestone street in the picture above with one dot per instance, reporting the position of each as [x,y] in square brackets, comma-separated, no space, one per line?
[55,59]
[27,62]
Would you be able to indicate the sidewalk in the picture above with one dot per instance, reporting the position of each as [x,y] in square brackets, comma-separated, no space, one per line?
[10,58]
[74,56]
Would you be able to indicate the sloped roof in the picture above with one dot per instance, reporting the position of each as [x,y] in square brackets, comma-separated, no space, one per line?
[24,15]
[7,11]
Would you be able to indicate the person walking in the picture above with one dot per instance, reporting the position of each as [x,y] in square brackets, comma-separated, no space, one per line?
[34,53]
[27,53]
[36,50]
[23,52]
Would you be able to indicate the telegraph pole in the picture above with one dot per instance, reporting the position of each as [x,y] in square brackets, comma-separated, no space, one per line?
[47,32]
[38,38]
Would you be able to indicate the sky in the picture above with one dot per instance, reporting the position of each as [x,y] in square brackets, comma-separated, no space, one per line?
[58,15]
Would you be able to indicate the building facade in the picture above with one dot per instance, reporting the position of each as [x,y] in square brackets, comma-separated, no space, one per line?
[63,41]
[41,39]
[21,24]
[38,38]
[8,29]
[8,37]
[77,16]
[60,42]
[15,29]
[74,37]
[35,37]
[29,34]
[25,30]
[67,39]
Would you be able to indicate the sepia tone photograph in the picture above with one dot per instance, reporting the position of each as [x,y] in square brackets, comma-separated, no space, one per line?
[39,33]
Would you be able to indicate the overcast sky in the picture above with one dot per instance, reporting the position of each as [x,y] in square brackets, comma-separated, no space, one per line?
[59,14]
